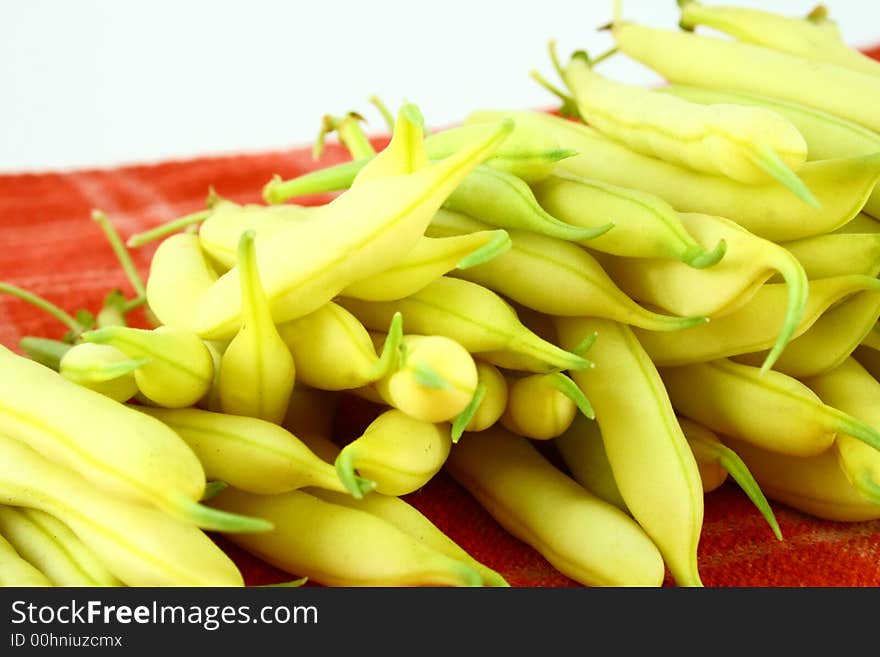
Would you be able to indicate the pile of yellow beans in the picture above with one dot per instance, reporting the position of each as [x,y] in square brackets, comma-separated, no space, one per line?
[668,286]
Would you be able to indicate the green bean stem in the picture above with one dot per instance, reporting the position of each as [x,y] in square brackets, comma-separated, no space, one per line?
[464,418]
[44,350]
[387,116]
[500,244]
[570,389]
[390,356]
[121,252]
[736,467]
[163,230]
[65,318]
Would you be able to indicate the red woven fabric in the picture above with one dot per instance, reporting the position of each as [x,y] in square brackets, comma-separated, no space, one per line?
[49,245]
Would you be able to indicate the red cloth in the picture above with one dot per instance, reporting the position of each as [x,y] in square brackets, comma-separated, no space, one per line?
[49,245]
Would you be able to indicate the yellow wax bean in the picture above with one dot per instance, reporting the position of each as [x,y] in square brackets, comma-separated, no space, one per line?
[852,389]
[754,327]
[530,156]
[221,230]
[342,546]
[815,485]
[397,451]
[827,136]
[703,444]
[805,37]
[836,254]
[45,351]
[257,370]
[555,277]
[583,453]
[472,315]
[713,455]
[311,419]
[406,152]
[140,545]
[645,226]
[494,400]
[362,231]
[53,548]
[502,200]
[831,339]
[15,571]
[250,453]
[211,400]
[749,144]
[686,58]
[333,350]
[434,379]
[769,409]
[102,368]
[652,463]
[122,451]
[180,369]
[723,288]
[180,275]
[408,519]
[583,537]
[841,185]
[429,259]
[542,406]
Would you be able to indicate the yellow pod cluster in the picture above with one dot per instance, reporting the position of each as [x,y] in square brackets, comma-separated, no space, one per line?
[670,287]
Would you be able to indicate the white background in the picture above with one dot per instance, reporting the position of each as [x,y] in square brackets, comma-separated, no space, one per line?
[97,83]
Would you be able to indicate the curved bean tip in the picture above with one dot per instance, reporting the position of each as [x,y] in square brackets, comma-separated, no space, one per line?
[507,125]
[558,154]
[464,418]
[579,363]
[213,198]
[46,351]
[271,190]
[583,56]
[207,517]
[768,159]
[569,106]
[501,243]
[294,583]
[345,470]
[699,258]
[212,488]
[365,486]
[818,14]
[570,389]
[412,113]
[392,356]
[101,335]
[247,237]
[736,467]
[584,345]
